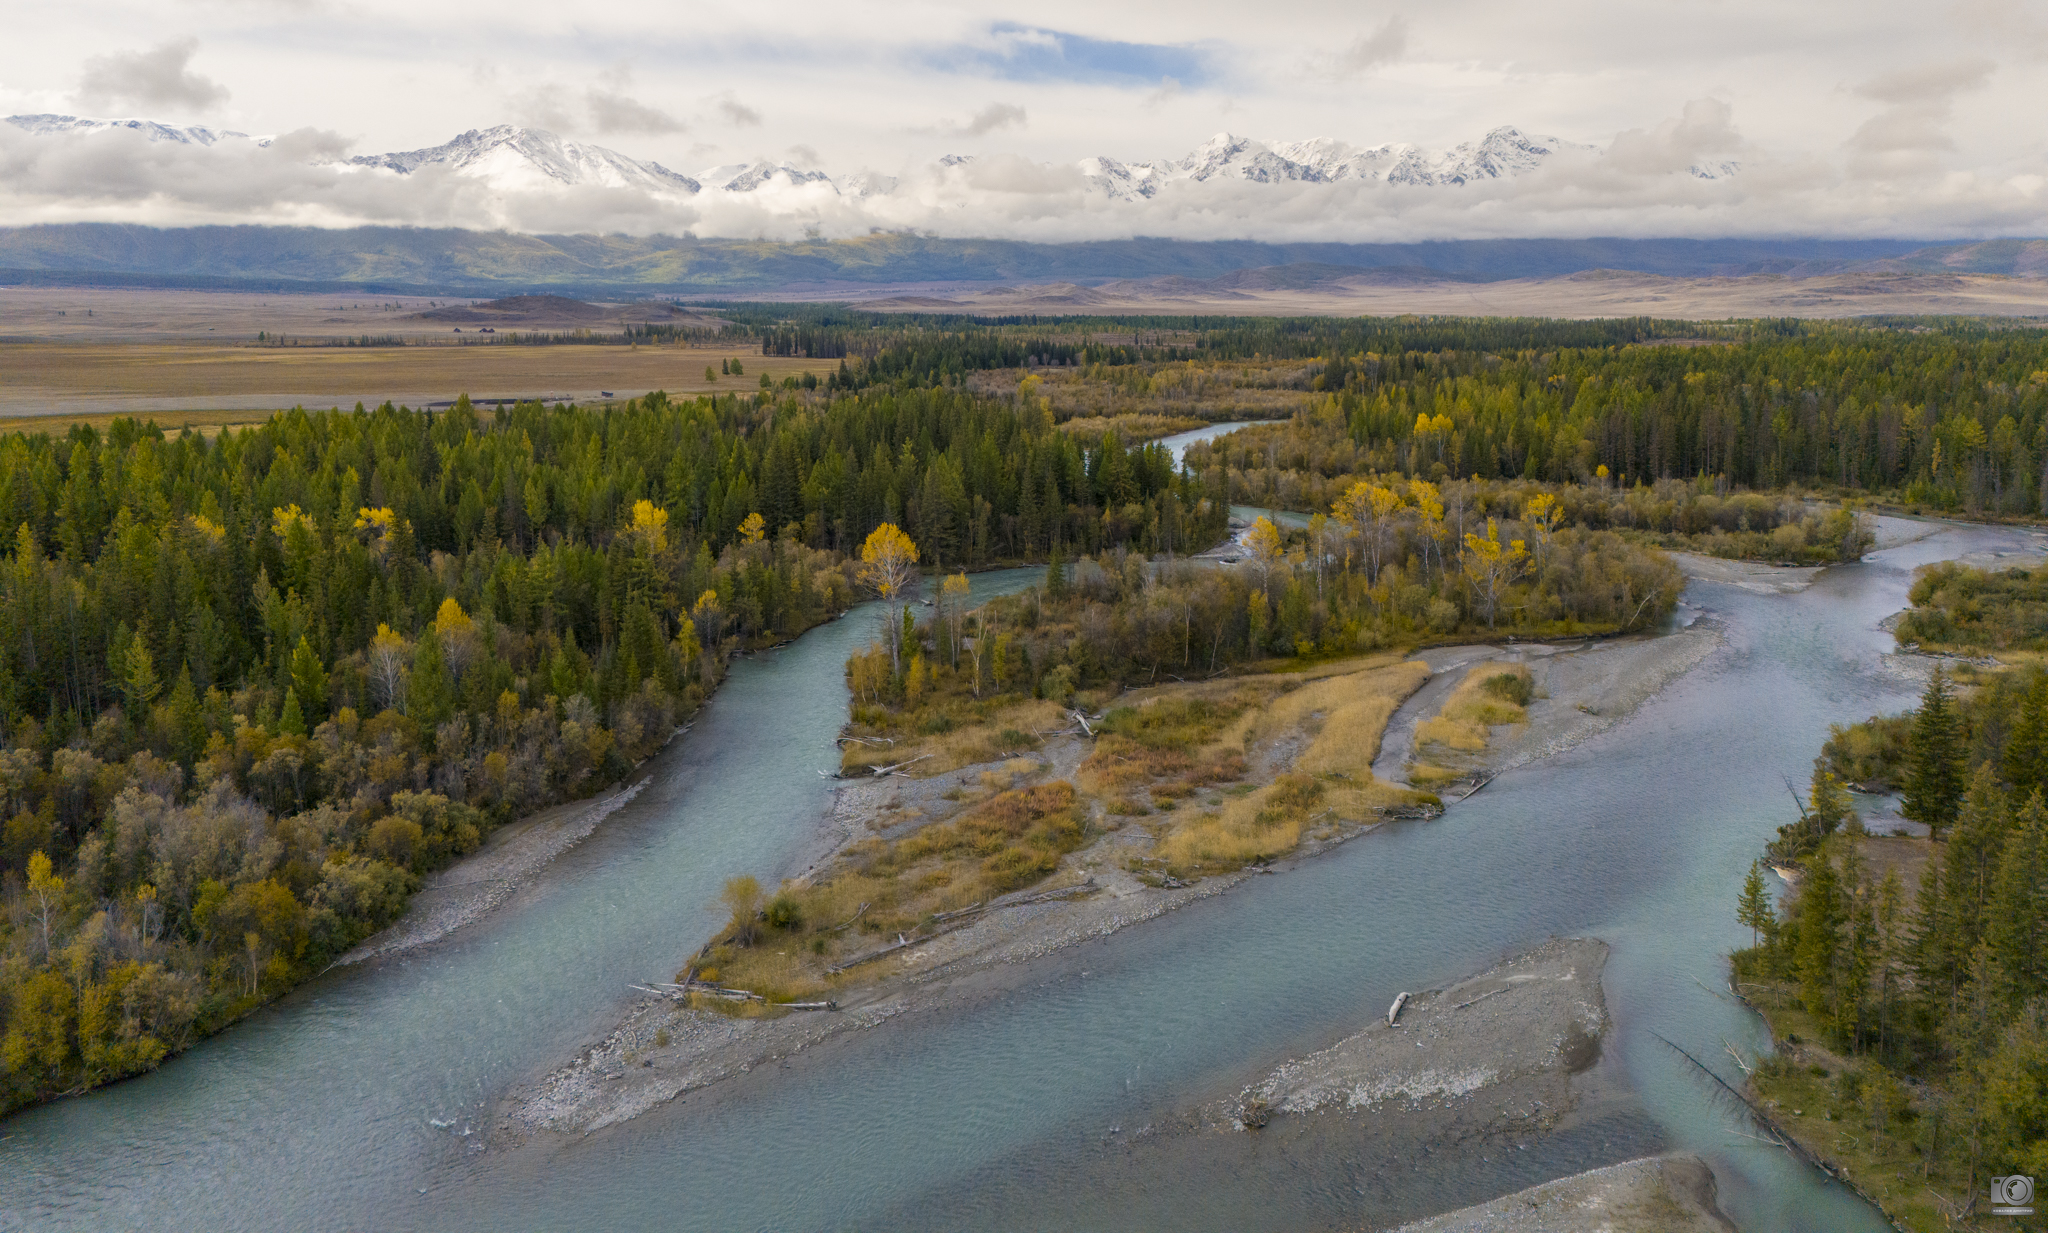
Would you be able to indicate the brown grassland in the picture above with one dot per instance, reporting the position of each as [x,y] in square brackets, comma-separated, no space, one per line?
[1490,696]
[58,383]
[1214,775]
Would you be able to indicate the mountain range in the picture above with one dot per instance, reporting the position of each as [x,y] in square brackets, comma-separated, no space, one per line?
[456,261]
[516,159]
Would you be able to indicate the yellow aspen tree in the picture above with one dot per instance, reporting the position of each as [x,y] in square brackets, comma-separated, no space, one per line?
[388,658]
[953,609]
[888,569]
[1541,514]
[1429,505]
[650,525]
[1369,510]
[1492,566]
[1266,547]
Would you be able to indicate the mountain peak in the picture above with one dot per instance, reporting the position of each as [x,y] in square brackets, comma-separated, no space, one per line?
[47,124]
[526,159]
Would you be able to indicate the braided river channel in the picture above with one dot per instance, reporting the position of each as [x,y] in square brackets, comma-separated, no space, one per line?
[357,1102]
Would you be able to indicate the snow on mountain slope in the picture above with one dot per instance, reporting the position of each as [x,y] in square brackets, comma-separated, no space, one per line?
[532,159]
[759,174]
[192,135]
[1503,153]
[508,157]
[528,179]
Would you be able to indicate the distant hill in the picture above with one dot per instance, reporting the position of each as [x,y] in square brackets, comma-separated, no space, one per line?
[397,259]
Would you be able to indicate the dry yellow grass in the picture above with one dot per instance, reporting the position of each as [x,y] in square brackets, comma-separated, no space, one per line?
[1007,731]
[1161,746]
[1341,716]
[60,382]
[1002,842]
[1479,704]
[1132,427]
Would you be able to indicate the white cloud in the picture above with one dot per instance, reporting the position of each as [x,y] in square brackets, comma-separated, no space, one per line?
[613,112]
[1832,127]
[1385,45]
[155,78]
[1641,184]
[738,113]
[991,118]
[1913,129]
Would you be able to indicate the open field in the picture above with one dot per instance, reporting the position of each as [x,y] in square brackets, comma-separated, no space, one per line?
[106,314]
[204,384]
[1593,293]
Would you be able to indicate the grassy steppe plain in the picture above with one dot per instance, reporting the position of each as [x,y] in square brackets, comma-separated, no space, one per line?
[44,384]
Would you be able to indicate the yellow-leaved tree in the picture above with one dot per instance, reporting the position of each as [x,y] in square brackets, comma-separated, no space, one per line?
[1369,510]
[753,529]
[1492,566]
[389,656]
[953,611]
[1541,514]
[888,568]
[650,525]
[1429,503]
[1265,545]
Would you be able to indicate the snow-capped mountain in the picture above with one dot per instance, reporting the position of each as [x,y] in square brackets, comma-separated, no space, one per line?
[1502,153]
[511,173]
[750,178]
[190,135]
[532,159]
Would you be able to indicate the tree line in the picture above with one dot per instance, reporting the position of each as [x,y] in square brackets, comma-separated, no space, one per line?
[1939,989]
[253,686]
[1387,567]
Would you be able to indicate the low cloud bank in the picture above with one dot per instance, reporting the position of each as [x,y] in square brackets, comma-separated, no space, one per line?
[1646,182]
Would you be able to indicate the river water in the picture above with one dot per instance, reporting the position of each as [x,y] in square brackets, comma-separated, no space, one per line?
[350,1104]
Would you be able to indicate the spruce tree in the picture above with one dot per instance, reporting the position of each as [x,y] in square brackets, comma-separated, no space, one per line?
[1934,778]
[2016,921]
[430,693]
[1754,907]
[309,681]
[139,683]
[2026,749]
[1821,914]
[1956,888]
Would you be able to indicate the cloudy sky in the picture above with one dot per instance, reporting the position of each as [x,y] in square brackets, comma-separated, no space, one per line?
[1868,118]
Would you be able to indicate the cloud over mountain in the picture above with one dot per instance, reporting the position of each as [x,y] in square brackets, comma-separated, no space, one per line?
[1692,174]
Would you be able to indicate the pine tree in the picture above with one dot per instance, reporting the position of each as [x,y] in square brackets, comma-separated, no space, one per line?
[1934,779]
[293,721]
[1821,915]
[430,693]
[309,680]
[2026,749]
[2016,922]
[1955,889]
[1754,907]
[1056,575]
[1973,854]
[139,683]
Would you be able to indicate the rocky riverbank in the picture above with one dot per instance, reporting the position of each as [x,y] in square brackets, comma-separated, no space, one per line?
[1662,1194]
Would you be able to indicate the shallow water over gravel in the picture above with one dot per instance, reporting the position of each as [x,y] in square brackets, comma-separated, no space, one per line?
[324,1111]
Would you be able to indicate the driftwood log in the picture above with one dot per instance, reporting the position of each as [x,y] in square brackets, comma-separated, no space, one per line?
[681,992]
